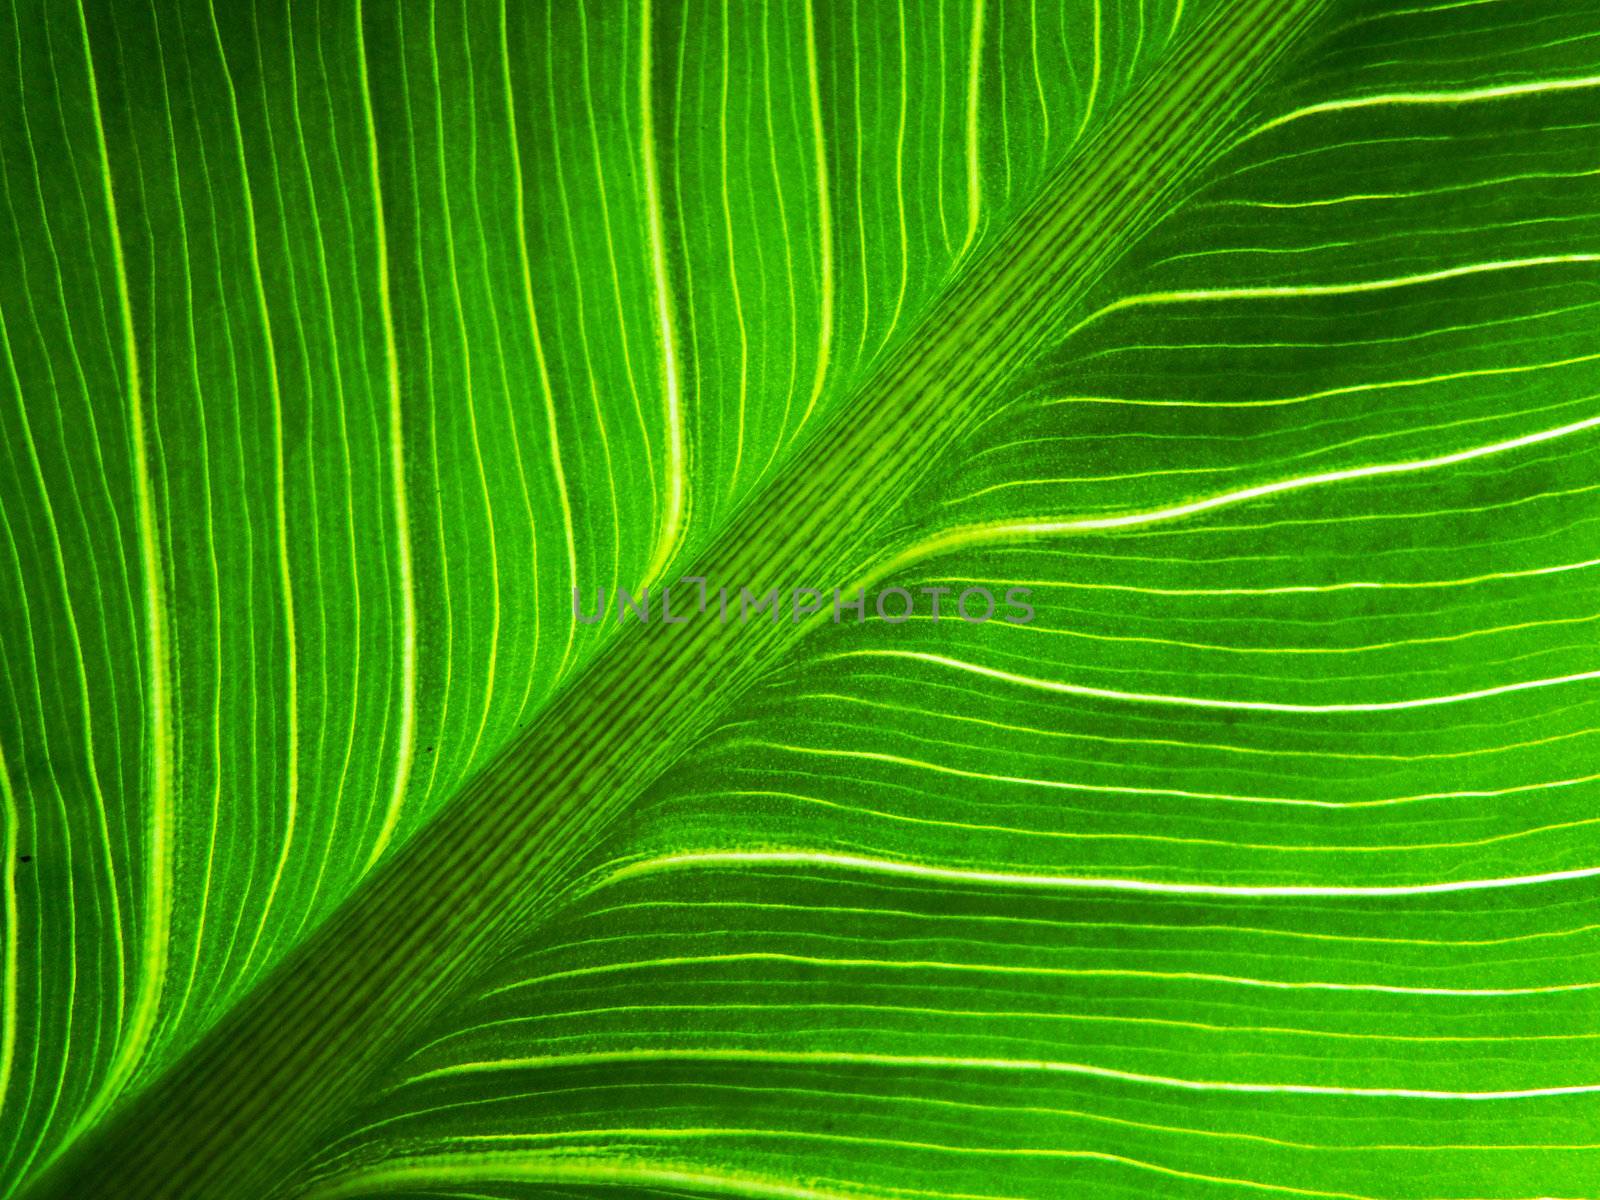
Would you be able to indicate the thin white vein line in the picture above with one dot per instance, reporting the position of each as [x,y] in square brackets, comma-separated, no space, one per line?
[900,172]
[764,746]
[824,219]
[405,747]
[733,258]
[319,281]
[526,269]
[1354,389]
[575,1162]
[677,481]
[1038,79]
[469,405]
[13,931]
[158,852]
[680,1132]
[200,935]
[1075,689]
[1358,287]
[454,1171]
[951,1062]
[1295,588]
[957,1010]
[974,77]
[1463,96]
[1094,75]
[291,810]
[1003,530]
[1047,972]
[889,866]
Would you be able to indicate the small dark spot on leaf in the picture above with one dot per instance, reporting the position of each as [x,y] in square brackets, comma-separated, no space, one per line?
[24,858]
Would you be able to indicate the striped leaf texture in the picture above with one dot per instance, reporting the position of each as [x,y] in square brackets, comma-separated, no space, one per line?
[352,352]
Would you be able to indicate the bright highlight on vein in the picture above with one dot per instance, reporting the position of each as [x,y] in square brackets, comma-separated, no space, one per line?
[1461,96]
[134,1038]
[405,746]
[1356,288]
[974,178]
[1011,530]
[825,272]
[1074,689]
[670,532]
[941,1062]
[976,877]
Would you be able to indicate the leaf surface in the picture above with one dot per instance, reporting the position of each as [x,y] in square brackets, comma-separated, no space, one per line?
[344,341]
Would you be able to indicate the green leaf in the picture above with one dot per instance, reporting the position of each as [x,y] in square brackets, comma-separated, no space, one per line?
[344,341]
